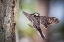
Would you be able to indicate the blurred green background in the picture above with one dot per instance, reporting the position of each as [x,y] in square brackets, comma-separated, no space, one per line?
[53,8]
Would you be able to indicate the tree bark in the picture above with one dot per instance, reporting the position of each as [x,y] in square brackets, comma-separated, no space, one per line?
[7,22]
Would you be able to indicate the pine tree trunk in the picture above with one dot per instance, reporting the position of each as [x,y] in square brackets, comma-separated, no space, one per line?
[7,24]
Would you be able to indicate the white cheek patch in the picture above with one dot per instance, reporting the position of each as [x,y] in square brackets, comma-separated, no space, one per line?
[36,14]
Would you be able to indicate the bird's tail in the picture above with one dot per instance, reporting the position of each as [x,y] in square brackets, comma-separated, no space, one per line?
[42,34]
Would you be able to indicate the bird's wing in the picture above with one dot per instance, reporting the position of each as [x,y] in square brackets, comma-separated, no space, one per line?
[36,25]
[36,22]
[28,16]
[44,21]
[41,33]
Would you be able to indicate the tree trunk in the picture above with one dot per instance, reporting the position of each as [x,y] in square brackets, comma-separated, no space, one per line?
[7,22]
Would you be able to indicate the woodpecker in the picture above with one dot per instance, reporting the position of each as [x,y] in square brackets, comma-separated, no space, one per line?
[36,19]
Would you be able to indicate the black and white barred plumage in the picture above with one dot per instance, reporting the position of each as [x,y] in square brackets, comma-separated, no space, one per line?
[36,19]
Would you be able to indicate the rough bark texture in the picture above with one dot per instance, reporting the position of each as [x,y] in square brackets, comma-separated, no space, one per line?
[7,24]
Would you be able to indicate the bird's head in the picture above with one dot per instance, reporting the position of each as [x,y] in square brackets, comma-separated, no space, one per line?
[36,14]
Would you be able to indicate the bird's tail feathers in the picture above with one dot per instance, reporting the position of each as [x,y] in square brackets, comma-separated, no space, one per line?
[41,34]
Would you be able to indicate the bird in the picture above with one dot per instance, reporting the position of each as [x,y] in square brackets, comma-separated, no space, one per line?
[36,19]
